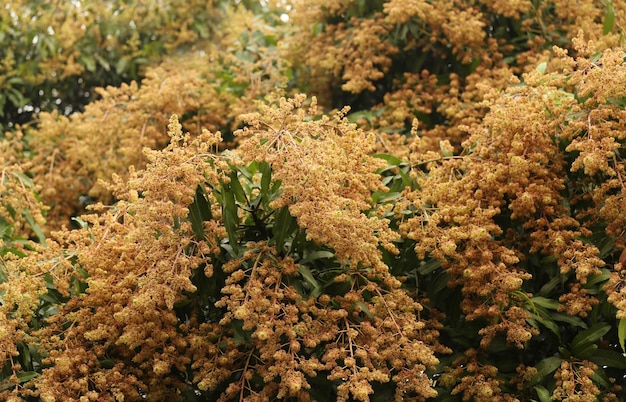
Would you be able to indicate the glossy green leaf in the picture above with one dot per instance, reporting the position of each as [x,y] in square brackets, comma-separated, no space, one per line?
[88,61]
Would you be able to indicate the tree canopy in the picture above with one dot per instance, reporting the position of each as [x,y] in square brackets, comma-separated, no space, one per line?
[309,200]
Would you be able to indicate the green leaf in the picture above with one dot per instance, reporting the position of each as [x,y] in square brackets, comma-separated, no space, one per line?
[201,29]
[236,188]
[317,255]
[406,180]
[392,160]
[27,362]
[610,358]
[80,222]
[572,320]
[15,96]
[101,60]
[605,246]
[544,368]
[543,394]
[364,309]
[308,277]
[599,377]
[14,81]
[88,62]
[34,226]
[602,277]
[428,267]
[122,65]
[589,336]
[585,350]
[551,325]
[609,18]
[541,67]
[284,226]
[621,333]
[26,376]
[27,181]
[230,216]
[199,212]
[549,286]
[107,363]
[240,335]
[546,303]
[266,176]
[385,196]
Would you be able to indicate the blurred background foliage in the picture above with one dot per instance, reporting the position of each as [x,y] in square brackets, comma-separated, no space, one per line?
[497,127]
[54,53]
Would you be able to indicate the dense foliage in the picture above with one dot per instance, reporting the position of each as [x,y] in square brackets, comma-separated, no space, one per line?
[442,215]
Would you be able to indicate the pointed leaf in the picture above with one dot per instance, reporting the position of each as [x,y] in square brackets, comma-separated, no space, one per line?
[428,267]
[27,376]
[575,321]
[392,160]
[236,188]
[34,226]
[602,277]
[589,336]
[609,18]
[546,303]
[543,394]
[266,177]
[199,212]
[548,323]
[284,226]
[308,277]
[230,216]
[316,255]
[621,333]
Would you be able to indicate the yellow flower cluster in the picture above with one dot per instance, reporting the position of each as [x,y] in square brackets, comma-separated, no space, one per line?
[327,177]
[139,267]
